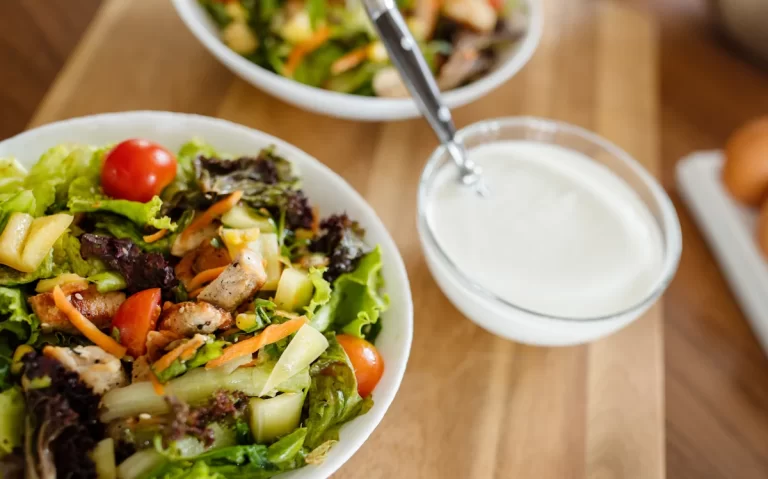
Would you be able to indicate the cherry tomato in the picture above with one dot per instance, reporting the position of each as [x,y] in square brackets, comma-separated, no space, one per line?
[135,318]
[366,361]
[137,170]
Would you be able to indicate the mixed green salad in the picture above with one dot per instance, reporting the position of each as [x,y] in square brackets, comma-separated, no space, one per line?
[331,43]
[177,316]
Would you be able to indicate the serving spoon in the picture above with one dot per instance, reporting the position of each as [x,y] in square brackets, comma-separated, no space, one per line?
[417,77]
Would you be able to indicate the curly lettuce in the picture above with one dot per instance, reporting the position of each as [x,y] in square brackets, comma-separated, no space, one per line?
[50,178]
[333,399]
[355,304]
[255,461]
[84,197]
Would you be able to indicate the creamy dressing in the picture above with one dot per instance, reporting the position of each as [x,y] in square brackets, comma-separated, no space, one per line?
[560,234]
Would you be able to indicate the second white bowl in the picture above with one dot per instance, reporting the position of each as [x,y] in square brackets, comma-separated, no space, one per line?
[355,107]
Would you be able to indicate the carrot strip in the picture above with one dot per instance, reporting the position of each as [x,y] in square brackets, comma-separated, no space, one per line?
[86,327]
[155,236]
[350,60]
[271,334]
[216,209]
[205,276]
[165,362]
[305,48]
[156,384]
[195,293]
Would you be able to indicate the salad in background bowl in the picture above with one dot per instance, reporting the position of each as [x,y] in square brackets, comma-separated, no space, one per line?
[167,308]
[323,55]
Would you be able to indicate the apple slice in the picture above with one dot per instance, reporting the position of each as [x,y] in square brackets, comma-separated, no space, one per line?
[42,234]
[12,241]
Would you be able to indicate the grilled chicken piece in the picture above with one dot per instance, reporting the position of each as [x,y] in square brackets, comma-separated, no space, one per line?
[96,367]
[476,14]
[188,318]
[187,242]
[141,369]
[158,341]
[241,280]
[204,257]
[97,307]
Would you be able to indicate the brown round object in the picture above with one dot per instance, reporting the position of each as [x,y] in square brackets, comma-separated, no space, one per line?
[745,172]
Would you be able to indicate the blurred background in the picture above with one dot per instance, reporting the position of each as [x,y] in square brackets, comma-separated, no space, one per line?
[712,78]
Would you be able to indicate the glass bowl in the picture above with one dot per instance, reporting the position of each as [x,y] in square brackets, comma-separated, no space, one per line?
[512,321]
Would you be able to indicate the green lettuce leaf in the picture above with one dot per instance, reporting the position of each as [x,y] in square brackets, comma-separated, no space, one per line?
[47,269]
[322,293]
[22,202]
[355,304]
[255,461]
[17,326]
[117,227]
[67,257]
[12,414]
[84,197]
[315,69]
[50,178]
[333,399]
[11,175]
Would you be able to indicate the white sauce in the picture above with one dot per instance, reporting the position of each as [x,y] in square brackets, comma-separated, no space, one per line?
[560,234]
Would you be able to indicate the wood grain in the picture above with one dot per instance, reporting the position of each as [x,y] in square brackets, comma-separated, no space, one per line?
[716,375]
[471,405]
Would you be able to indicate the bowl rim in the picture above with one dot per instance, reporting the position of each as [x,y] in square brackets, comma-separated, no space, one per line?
[256,74]
[371,420]
[669,221]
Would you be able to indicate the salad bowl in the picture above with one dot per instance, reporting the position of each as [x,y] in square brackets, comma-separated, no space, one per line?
[328,190]
[356,107]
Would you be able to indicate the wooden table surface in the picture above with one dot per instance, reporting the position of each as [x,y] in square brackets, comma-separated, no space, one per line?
[472,405]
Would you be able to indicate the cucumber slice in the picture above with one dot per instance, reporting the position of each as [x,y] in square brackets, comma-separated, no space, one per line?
[140,464]
[270,251]
[103,456]
[274,417]
[242,217]
[294,291]
[305,347]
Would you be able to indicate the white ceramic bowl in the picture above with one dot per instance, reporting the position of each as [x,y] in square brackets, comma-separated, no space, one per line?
[511,321]
[349,106]
[324,188]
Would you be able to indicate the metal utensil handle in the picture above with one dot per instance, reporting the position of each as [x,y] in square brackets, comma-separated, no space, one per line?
[406,56]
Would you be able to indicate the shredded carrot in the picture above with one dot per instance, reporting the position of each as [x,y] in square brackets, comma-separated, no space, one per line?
[305,48]
[205,276]
[165,362]
[350,60]
[216,209]
[86,327]
[156,384]
[271,334]
[155,236]
[196,292]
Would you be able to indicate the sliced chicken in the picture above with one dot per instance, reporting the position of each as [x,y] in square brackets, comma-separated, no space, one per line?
[141,369]
[205,256]
[462,65]
[187,242]
[96,367]
[97,307]
[477,14]
[241,280]
[188,318]
[158,341]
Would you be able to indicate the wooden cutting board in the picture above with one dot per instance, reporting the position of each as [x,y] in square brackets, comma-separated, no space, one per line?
[471,405]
